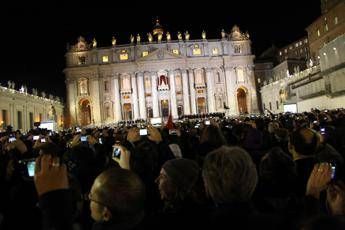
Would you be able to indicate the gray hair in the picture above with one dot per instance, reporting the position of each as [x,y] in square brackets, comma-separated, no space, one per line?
[229,175]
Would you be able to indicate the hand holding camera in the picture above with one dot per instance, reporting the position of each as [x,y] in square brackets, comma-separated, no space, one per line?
[50,175]
[121,155]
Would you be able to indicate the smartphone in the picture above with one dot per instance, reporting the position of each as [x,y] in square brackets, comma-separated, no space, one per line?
[116,152]
[83,138]
[30,165]
[43,140]
[314,122]
[100,140]
[35,138]
[143,132]
[322,130]
[207,122]
[11,139]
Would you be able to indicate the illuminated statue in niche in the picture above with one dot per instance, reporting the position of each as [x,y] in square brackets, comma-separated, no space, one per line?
[132,38]
[138,38]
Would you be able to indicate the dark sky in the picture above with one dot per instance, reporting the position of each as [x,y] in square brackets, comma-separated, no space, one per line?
[34,37]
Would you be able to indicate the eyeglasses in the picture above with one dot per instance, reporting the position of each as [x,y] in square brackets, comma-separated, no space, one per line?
[89,197]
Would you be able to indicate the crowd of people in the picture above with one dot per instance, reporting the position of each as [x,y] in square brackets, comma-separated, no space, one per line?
[279,171]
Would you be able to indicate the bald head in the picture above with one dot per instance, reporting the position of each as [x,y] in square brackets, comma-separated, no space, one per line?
[122,191]
[305,141]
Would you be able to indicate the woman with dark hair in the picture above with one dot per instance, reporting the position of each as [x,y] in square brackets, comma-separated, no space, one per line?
[211,139]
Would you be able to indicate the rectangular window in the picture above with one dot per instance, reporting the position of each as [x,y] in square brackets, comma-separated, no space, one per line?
[277,104]
[145,53]
[175,51]
[19,119]
[40,117]
[264,106]
[4,118]
[124,56]
[215,51]
[31,120]
[326,27]
[270,106]
[196,51]
[336,21]
[105,59]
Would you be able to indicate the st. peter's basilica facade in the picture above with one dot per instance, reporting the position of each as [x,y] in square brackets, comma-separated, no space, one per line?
[160,76]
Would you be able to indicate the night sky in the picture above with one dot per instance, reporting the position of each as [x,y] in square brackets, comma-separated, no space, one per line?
[34,37]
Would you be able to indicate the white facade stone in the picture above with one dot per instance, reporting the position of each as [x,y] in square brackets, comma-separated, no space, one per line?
[207,69]
[20,109]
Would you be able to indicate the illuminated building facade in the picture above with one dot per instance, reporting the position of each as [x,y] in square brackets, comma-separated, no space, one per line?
[160,76]
[21,109]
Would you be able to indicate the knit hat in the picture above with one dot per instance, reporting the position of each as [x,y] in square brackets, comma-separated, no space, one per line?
[182,172]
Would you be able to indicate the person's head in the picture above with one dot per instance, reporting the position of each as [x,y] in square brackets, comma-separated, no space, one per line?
[117,195]
[177,178]
[213,135]
[229,175]
[305,141]
[277,171]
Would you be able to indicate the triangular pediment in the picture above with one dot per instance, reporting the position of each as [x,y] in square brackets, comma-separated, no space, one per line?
[160,54]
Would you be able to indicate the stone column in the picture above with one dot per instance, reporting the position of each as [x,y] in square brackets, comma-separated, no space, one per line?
[117,99]
[230,79]
[141,94]
[154,94]
[71,101]
[94,93]
[251,80]
[210,90]
[134,97]
[186,105]
[192,91]
[173,104]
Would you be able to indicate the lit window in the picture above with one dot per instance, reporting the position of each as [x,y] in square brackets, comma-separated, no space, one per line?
[123,55]
[145,53]
[105,59]
[290,47]
[336,21]
[285,50]
[326,27]
[296,44]
[318,33]
[82,60]
[280,53]
[259,80]
[196,50]
[215,51]
[306,41]
[300,43]
[237,49]
[175,51]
